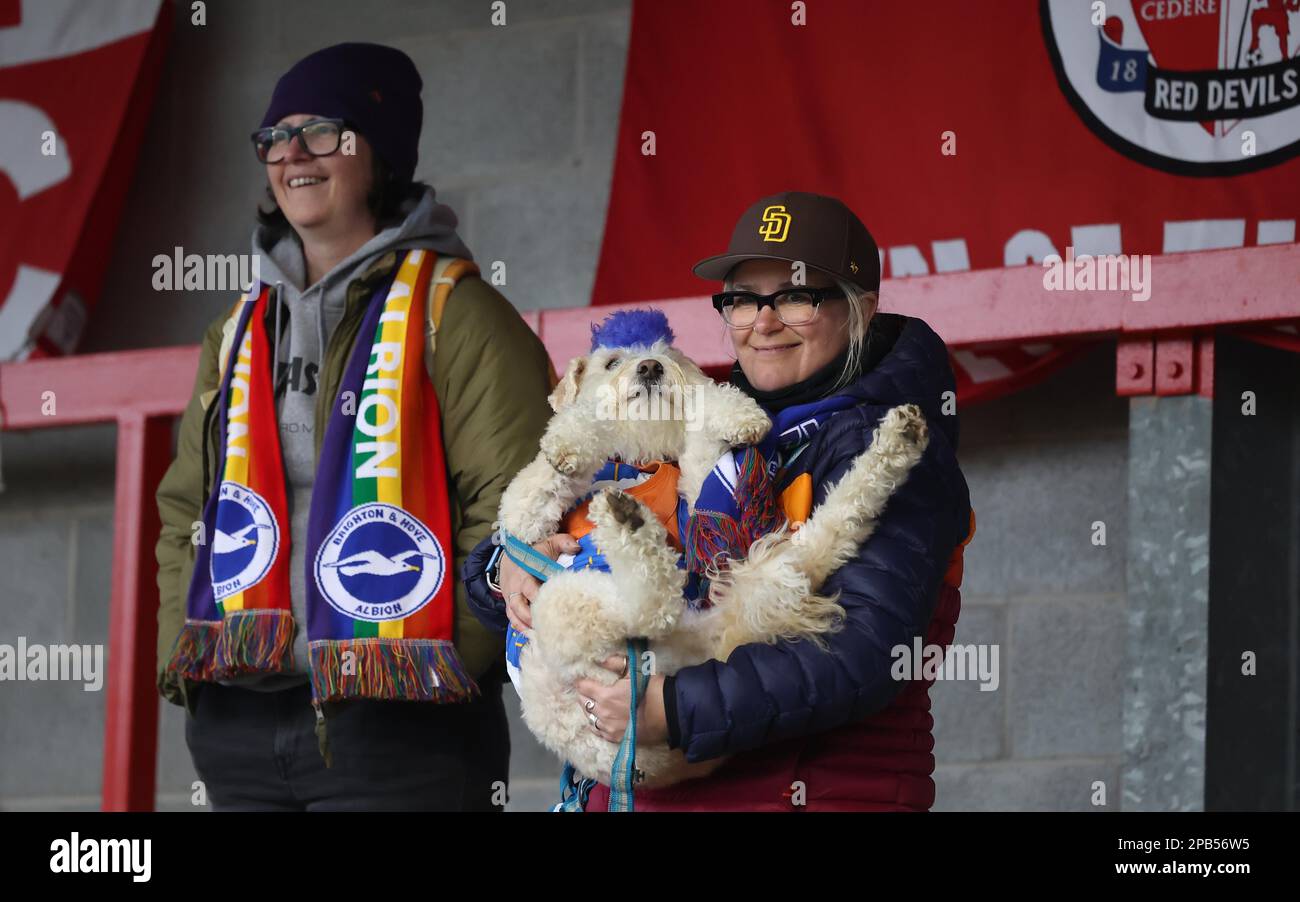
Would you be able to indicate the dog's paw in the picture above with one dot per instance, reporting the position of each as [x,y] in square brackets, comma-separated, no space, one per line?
[568,455]
[625,526]
[614,509]
[908,423]
[729,415]
[750,428]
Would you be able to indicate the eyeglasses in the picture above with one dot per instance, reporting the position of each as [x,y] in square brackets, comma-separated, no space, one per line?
[318,137]
[793,306]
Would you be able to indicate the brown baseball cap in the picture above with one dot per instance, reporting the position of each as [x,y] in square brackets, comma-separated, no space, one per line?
[814,229]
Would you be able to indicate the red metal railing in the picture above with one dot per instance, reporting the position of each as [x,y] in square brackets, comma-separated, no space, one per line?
[1165,347]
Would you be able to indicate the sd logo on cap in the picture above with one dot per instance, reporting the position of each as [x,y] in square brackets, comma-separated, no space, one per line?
[795,226]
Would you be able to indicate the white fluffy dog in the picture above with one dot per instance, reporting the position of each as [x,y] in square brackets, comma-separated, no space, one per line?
[581,617]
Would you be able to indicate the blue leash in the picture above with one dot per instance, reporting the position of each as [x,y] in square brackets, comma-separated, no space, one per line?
[529,558]
[573,792]
[624,777]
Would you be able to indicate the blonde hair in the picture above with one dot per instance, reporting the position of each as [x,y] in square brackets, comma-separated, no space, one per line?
[859,328]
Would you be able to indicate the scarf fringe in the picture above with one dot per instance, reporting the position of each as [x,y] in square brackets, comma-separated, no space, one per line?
[257,640]
[714,536]
[195,654]
[393,669]
[760,512]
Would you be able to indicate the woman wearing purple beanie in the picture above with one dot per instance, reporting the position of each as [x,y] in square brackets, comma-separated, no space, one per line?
[341,464]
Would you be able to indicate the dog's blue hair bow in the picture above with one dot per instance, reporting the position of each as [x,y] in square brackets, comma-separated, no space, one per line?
[628,328]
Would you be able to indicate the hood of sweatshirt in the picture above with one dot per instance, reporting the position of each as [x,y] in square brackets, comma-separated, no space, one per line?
[426,224]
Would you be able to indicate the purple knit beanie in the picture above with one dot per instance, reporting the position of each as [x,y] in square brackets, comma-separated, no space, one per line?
[375,88]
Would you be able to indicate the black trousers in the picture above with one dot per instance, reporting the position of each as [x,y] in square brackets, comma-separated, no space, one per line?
[258,751]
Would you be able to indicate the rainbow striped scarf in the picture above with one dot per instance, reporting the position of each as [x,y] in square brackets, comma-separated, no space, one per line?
[380,602]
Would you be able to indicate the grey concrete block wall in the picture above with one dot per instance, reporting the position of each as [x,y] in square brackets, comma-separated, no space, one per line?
[971,724]
[519,138]
[1059,785]
[1043,465]
[56,541]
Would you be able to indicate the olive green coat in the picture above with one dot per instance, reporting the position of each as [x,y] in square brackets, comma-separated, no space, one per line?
[492,376]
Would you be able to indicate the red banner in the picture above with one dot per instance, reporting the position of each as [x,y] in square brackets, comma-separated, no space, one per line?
[77,81]
[965,135]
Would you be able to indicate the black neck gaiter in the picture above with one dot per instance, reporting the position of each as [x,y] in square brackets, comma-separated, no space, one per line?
[818,385]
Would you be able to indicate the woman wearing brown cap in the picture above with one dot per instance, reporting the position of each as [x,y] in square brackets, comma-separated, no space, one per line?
[821,728]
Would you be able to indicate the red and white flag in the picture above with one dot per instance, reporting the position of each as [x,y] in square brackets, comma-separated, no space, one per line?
[965,135]
[77,80]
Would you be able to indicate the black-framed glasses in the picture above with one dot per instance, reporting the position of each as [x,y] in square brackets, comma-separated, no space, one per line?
[793,306]
[318,137]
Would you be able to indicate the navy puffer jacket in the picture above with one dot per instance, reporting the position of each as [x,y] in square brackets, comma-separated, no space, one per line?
[833,720]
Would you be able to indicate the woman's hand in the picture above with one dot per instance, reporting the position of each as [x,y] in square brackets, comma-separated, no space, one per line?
[611,705]
[519,586]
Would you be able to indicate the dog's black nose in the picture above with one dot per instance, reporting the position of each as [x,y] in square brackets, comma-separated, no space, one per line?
[649,370]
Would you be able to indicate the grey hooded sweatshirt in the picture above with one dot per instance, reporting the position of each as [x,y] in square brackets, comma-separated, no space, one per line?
[306,318]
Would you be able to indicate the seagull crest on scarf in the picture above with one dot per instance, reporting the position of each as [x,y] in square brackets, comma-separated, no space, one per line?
[380,608]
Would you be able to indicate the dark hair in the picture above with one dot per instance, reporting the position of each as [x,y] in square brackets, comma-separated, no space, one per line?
[384,201]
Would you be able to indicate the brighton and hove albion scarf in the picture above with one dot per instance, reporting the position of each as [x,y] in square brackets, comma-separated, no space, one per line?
[738,502]
[793,429]
[380,605]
